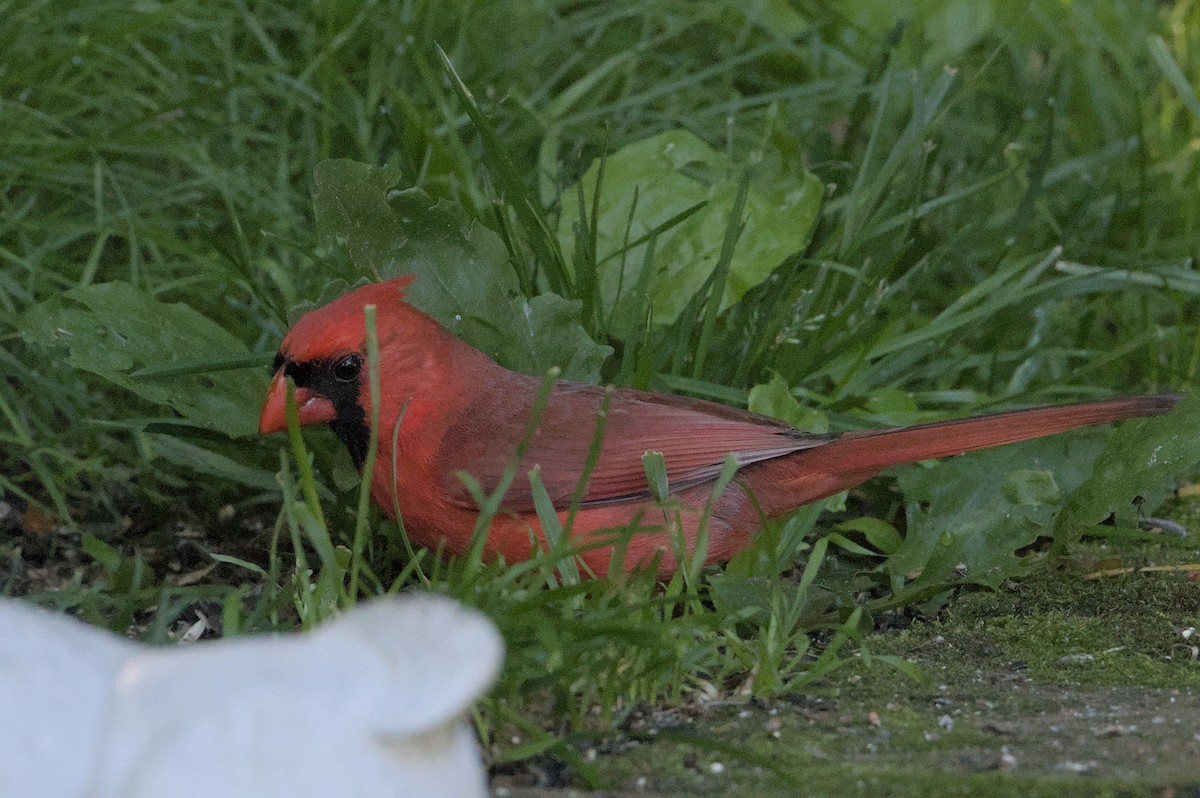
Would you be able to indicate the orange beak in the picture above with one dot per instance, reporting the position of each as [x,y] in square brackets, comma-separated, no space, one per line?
[312,407]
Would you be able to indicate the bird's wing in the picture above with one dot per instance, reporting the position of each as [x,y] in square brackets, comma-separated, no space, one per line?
[693,436]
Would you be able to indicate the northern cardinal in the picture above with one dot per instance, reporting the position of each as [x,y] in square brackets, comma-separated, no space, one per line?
[462,412]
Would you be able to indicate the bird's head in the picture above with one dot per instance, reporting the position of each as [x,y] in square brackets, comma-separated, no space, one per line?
[325,354]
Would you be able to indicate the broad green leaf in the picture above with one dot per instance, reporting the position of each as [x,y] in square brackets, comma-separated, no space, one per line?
[880,534]
[115,330]
[775,399]
[665,175]
[1031,487]
[549,334]
[740,595]
[892,407]
[969,515]
[463,276]
[1142,455]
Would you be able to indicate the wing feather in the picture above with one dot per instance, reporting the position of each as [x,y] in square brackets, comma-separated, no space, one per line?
[694,437]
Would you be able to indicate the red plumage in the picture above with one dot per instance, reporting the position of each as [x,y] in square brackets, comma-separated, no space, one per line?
[464,413]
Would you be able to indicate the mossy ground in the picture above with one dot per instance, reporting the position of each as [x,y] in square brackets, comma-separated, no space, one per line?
[1056,685]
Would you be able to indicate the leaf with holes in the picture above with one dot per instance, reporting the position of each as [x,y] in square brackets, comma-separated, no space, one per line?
[463,277]
[1143,457]
[968,516]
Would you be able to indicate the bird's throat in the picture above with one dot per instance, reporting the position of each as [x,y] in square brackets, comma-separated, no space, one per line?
[351,429]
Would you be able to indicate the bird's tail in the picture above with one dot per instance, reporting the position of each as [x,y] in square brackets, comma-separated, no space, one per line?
[783,483]
[877,449]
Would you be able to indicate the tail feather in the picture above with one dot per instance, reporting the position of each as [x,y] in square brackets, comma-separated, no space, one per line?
[878,449]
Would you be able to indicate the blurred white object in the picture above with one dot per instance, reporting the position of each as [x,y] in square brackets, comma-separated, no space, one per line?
[371,704]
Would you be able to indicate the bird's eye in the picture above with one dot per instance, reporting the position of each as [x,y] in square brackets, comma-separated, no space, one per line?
[347,369]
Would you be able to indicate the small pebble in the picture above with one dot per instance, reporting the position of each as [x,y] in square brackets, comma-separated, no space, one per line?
[1076,659]
[1075,767]
[1115,730]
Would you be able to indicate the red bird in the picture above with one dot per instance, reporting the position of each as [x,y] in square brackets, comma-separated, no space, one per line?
[462,412]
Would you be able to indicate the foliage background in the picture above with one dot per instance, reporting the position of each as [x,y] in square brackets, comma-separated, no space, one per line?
[944,207]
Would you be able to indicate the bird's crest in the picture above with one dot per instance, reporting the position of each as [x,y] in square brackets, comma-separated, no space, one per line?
[338,327]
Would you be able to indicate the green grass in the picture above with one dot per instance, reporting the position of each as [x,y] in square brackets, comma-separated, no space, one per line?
[1000,213]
